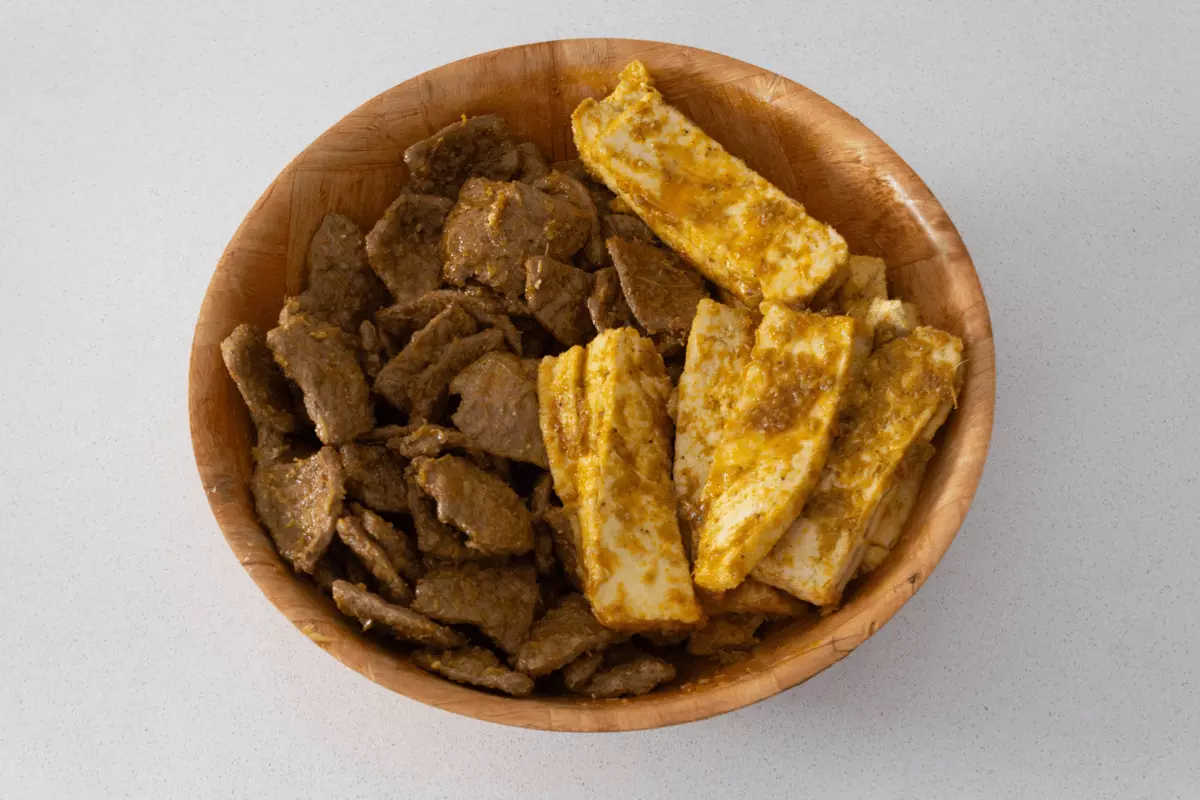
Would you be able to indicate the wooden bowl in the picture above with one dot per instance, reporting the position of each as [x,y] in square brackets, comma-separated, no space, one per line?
[843,173]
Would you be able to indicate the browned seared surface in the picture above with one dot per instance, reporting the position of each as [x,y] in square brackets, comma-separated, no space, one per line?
[410,315]
[393,588]
[342,290]
[562,635]
[396,543]
[495,226]
[427,440]
[477,666]
[394,380]
[579,672]
[626,226]
[557,294]
[428,390]
[478,503]
[374,476]
[319,358]
[606,305]
[577,195]
[259,379]
[731,632]
[499,600]
[566,544]
[661,290]
[300,502]
[474,146]
[499,408]
[634,677]
[405,624]
[404,247]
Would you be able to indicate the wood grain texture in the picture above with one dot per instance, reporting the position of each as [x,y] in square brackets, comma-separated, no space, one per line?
[843,173]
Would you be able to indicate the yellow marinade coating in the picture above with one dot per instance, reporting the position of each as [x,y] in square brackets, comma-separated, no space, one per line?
[718,350]
[911,384]
[887,523]
[739,230]
[609,449]
[775,440]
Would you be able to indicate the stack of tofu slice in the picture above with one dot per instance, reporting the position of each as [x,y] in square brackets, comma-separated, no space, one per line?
[805,408]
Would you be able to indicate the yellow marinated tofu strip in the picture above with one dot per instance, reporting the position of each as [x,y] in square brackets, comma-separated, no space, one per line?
[911,384]
[718,351]
[739,230]
[603,415]
[897,504]
[775,440]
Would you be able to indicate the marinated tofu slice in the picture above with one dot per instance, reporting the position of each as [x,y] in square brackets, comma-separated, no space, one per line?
[372,555]
[891,319]
[718,352]
[479,504]
[557,294]
[610,457]
[579,672]
[403,623]
[404,247]
[887,523]
[259,379]
[911,384]
[428,390]
[374,476]
[435,539]
[499,600]
[725,633]
[606,305]
[499,407]
[342,290]
[661,291]
[395,379]
[319,359]
[476,666]
[473,146]
[395,543]
[495,226]
[562,635]
[300,502]
[635,677]
[775,440]
[740,231]
[865,280]
[427,440]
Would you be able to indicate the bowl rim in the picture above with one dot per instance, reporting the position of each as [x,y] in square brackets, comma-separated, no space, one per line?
[844,630]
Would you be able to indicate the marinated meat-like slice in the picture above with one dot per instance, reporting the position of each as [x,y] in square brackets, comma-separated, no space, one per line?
[557,294]
[564,634]
[435,539]
[272,446]
[600,193]
[402,318]
[577,674]
[733,632]
[258,378]
[635,677]
[395,379]
[752,596]
[393,588]
[533,163]
[317,357]
[566,544]
[499,600]
[403,623]
[606,305]
[543,549]
[404,247]
[371,349]
[661,291]
[384,432]
[495,226]
[478,503]
[499,408]
[577,195]
[477,666]
[300,502]
[342,290]
[473,146]
[325,573]
[427,440]
[428,389]
[627,226]
[375,476]
[396,544]
[540,497]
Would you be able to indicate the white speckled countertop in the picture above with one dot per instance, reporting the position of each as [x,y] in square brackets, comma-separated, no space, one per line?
[1052,654]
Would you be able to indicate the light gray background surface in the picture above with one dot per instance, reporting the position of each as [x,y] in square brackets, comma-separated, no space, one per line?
[1052,654]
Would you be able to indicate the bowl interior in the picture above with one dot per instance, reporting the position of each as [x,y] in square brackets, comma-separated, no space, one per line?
[817,153]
